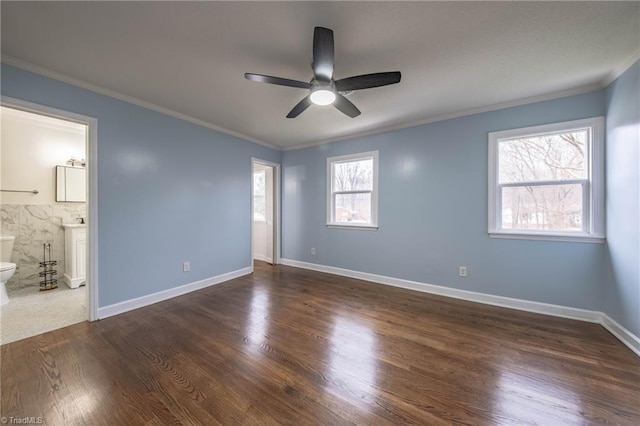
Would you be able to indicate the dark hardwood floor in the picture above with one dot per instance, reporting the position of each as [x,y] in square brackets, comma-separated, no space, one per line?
[289,346]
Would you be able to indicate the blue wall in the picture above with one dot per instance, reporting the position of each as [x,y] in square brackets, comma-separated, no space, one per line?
[433,212]
[169,191]
[622,292]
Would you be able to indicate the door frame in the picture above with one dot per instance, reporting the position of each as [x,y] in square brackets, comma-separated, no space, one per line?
[276,208]
[91,149]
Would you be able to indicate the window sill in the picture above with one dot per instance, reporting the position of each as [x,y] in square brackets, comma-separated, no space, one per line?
[580,238]
[363,227]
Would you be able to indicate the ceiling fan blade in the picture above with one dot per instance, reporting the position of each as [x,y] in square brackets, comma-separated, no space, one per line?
[300,107]
[368,81]
[345,106]
[277,80]
[323,54]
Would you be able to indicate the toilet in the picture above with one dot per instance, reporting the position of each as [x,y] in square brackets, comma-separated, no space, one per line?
[7,269]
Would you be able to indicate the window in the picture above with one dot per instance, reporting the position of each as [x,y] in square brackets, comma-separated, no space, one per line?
[259,195]
[352,190]
[546,182]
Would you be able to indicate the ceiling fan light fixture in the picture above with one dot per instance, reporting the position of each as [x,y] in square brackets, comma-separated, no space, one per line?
[322,96]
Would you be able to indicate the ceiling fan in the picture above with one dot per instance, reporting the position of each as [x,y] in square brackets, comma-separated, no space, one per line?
[323,89]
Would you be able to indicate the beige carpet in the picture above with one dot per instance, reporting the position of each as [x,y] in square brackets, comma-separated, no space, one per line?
[31,312]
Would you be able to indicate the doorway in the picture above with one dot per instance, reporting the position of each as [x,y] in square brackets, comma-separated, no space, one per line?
[265,214]
[53,221]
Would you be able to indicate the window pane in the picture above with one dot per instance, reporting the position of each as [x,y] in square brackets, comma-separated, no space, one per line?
[353,175]
[353,208]
[543,158]
[549,207]
[259,195]
[259,183]
[259,211]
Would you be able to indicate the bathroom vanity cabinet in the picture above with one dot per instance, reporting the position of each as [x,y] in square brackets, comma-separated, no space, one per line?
[75,254]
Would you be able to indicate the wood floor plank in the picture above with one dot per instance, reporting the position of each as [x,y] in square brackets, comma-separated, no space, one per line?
[289,346]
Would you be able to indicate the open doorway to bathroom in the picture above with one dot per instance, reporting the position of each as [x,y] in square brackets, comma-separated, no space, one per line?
[265,212]
[44,215]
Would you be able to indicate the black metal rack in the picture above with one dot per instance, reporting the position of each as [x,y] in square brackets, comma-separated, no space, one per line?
[49,283]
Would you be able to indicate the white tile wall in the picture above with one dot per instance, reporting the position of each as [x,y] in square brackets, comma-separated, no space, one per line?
[34,225]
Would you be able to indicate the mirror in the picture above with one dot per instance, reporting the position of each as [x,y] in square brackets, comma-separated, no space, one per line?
[71,184]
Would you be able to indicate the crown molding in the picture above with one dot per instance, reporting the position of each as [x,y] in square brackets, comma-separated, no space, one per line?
[635,57]
[27,66]
[510,104]
[494,107]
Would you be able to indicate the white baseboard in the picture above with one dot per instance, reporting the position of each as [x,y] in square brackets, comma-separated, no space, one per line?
[150,299]
[260,257]
[624,335]
[506,302]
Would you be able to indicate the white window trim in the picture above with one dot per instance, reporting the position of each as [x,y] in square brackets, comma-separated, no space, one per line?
[593,200]
[374,191]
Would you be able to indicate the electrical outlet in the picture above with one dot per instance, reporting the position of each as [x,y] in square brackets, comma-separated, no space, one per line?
[186,266]
[313,250]
[462,270]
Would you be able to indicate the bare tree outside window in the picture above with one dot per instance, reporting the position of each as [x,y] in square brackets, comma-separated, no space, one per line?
[542,179]
[353,183]
[352,192]
[353,175]
[546,182]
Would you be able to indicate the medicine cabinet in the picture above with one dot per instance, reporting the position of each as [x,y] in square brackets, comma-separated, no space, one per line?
[71,184]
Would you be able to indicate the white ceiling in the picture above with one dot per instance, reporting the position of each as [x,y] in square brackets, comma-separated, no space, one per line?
[455,57]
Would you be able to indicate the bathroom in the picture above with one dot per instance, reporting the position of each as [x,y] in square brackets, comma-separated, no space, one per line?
[43,214]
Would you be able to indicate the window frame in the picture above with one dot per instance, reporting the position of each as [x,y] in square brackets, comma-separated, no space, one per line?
[331,161]
[593,229]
